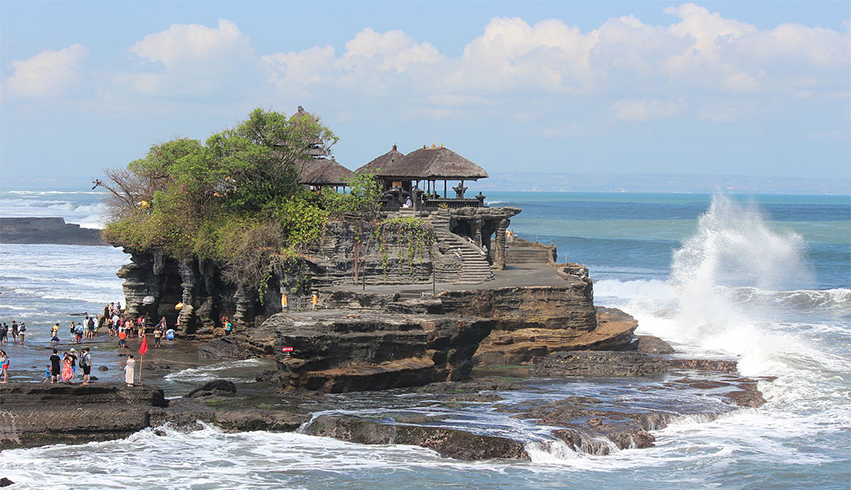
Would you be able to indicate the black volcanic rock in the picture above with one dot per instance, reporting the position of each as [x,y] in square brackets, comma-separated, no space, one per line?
[597,363]
[449,443]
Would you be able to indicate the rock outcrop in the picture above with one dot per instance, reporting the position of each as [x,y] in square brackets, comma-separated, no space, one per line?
[33,414]
[349,350]
[449,443]
[47,231]
[597,363]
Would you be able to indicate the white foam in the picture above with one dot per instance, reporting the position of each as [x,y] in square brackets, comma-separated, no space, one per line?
[210,372]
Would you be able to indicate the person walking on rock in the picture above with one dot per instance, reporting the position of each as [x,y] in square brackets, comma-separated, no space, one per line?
[129,370]
[54,366]
[4,367]
[22,332]
[86,365]
[67,372]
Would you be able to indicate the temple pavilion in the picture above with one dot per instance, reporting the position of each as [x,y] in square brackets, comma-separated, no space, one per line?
[417,176]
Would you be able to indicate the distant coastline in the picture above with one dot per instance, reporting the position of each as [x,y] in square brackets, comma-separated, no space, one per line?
[574,182]
[52,231]
[663,183]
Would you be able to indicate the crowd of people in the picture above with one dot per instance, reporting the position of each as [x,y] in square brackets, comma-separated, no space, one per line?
[64,369]
[73,365]
[17,332]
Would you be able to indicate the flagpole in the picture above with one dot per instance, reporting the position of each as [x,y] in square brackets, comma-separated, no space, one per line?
[143,349]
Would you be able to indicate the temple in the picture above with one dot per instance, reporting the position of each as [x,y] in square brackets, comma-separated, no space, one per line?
[471,237]
[465,227]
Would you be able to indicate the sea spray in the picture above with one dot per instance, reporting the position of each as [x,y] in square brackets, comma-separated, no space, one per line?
[733,250]
[734,286]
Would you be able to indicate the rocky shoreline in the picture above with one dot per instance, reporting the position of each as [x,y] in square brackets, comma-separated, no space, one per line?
[33,414]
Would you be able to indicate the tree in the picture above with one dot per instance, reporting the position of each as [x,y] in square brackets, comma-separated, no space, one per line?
[184,195]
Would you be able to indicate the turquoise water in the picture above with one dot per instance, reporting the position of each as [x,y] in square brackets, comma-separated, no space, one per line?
[765,280]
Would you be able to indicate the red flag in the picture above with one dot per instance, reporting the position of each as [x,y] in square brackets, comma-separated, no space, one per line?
[143,349]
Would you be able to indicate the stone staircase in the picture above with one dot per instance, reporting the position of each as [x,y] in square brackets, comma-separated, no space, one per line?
[465,262]
[525,255]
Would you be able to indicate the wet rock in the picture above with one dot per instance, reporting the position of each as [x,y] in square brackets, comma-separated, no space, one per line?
[33,414]
[730,367]
[649,344]
[596,363]
[449,443]
[225,348]
[103,368]
[215,388]
[183,414]
[156,367]
[748,396]
[256,419]
[5,482]
[266,376]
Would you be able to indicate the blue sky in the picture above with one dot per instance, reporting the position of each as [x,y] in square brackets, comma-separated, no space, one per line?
[752,88]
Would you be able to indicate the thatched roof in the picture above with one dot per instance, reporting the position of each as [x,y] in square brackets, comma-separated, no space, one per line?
[383,164]
[427,163]
[322,171]
[440,163]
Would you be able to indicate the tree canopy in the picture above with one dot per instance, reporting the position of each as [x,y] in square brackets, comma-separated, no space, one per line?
[215,199]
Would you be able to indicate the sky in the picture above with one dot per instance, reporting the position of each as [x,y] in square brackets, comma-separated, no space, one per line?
[754,88]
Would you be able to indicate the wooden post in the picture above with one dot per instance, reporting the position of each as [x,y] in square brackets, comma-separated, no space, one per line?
[140,368]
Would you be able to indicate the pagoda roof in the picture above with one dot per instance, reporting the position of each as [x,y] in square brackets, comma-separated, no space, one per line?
[427,163]
[324,171]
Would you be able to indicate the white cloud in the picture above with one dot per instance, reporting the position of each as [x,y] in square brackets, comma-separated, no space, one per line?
[298,69]
[512,55]
[47,74]
[195,61]
[192,43]
[391,51]
[647,109]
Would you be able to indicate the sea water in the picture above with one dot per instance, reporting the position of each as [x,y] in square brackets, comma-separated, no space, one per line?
[765,280]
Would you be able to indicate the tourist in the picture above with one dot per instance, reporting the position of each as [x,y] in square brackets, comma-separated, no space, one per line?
[315,300]
[14,332]
[90,327]
[55,370]
[4,330]
[66,372]
[228,328]
[128,327]
[122,341]
[158,333]
[86,364]
[72,329]
[169,334]
[4,367]
[47,374]
[54,330]
[73,356]
[78,332]
[22,332]
[129,370]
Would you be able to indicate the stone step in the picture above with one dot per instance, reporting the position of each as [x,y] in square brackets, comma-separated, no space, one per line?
[527,256]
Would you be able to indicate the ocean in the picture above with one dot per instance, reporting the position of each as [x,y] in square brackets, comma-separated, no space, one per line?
[764,280]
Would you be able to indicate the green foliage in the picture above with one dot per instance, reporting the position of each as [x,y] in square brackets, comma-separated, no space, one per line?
[362,201]
[416,235]
[234,198]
